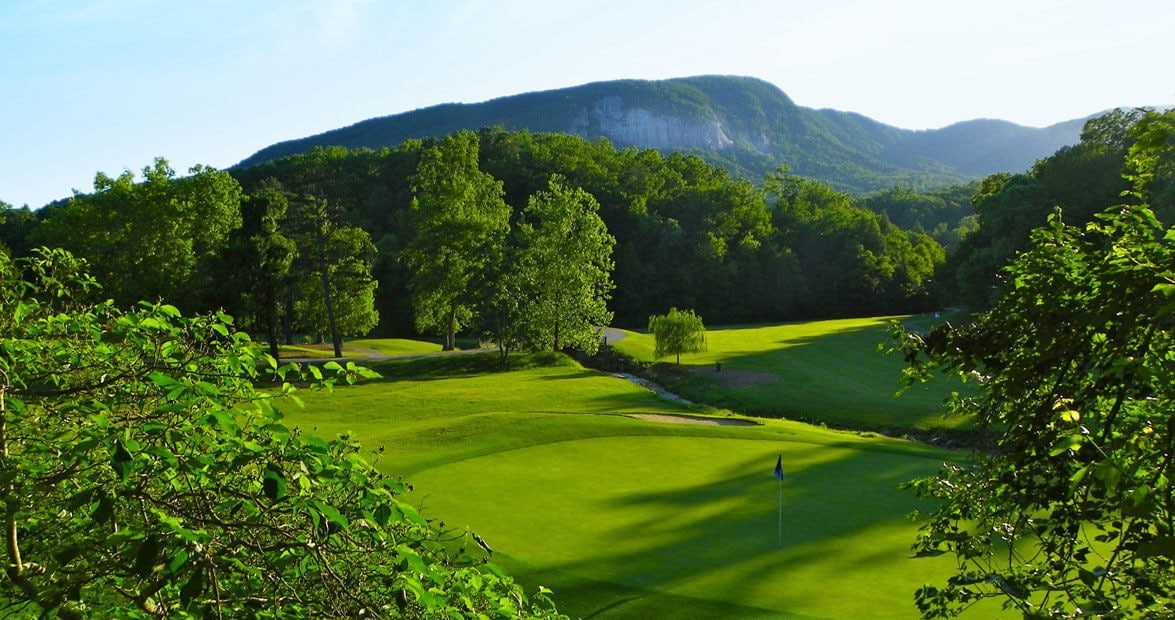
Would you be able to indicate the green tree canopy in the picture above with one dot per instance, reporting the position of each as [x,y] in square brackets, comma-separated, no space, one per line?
[334,294]
[565,256]
[255,269]
[679,331]
[1080,179]
[153,239]
[142,475]
[460,222]
[1067,508]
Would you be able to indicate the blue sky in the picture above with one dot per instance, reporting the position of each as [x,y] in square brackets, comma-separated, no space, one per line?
[108,85]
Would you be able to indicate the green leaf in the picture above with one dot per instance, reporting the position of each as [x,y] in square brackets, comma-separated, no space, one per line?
[383,514]
[193,588]
[412,560]
[331,514]
[79,499]
[273,483]
[176,562]
[104,510]
[1110,475]
[1161,546]
[1066,444]
[145,557]
[317,444]
[67,554]
[121,461]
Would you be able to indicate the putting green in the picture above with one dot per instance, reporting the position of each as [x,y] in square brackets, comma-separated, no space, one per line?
[698,518]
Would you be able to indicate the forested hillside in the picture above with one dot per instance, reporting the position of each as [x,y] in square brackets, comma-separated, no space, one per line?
[335,242]
[746,125]
[687,233]
[1077,181]
[329,243]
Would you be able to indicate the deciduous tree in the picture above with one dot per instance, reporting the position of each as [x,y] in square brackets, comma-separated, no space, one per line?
[336,295]
[152,239]
[680,331]
[459,222]
[255,269]
[565,256]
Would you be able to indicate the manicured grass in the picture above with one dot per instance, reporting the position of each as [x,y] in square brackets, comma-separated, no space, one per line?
[697,519]
[395,346]
[627,518]
[432,411]
[363,347]
[827,372]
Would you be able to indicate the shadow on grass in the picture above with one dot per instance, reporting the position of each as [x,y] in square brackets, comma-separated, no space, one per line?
[431,367]
[839,379]
[726,534]
[603,599]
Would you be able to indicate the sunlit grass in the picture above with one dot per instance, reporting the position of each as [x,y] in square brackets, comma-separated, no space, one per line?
[698,518]
[628,518]
[362,347]
[829,372]
[394,346]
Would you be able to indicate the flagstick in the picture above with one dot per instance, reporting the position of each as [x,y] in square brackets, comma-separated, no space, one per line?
[781,512]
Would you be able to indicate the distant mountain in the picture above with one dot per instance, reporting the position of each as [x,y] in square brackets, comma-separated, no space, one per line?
[745,124]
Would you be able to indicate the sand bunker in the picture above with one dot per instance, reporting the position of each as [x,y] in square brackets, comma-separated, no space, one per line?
[685,419]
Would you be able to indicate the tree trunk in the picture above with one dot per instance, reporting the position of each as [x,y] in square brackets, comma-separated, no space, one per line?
[450,332]
[274,349]
[272,321]
[336,338]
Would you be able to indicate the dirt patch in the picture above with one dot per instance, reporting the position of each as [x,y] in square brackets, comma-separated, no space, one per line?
[685,419]
[738,378]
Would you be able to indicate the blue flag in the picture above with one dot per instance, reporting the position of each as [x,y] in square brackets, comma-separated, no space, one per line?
[779,467]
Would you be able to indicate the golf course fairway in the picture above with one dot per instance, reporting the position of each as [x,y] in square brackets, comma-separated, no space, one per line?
[670,519]
[578,482]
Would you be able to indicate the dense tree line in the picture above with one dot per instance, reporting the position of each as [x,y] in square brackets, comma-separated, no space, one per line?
[686,233]
[336,241]
[945,214]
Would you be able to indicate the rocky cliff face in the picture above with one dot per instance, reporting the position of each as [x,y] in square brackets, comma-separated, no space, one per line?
[747,125]
[635,126]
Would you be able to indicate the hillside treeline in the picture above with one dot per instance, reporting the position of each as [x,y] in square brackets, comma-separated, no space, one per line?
[1078,181]
[688,234]
[274,243]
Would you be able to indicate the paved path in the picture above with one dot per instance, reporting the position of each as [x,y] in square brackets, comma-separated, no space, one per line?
[612,335]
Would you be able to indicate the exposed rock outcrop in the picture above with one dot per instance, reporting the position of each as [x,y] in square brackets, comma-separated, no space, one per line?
[636,126]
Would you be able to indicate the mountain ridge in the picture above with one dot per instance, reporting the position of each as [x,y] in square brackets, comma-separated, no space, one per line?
[745,124]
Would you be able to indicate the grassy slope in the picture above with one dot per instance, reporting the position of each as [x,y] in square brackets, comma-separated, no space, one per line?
[362,348]
[820,371]
[626,518]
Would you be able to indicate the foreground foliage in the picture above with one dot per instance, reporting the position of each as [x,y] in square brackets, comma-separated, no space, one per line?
[142,475]
[1069,510]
